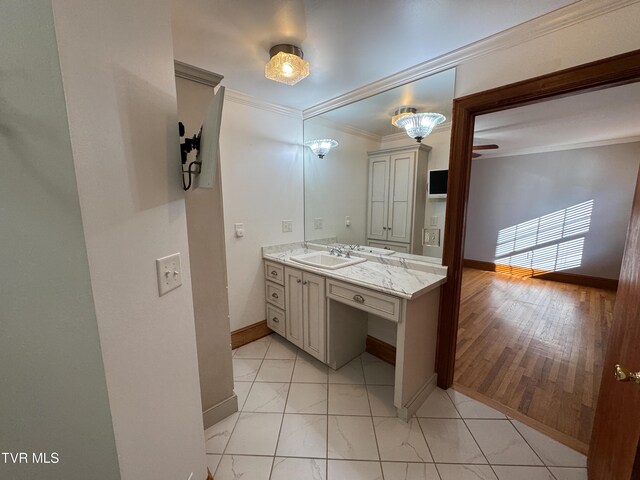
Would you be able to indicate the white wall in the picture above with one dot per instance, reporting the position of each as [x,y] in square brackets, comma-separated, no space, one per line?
[261,158]
[205,226]
[117,66]
[508,191]
[53,395]
[336,185]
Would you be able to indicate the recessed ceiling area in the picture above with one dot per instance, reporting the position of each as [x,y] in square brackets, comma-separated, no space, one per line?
[603,116]
[349,43]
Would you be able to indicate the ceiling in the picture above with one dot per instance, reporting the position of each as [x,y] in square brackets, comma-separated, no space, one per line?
[349,43]
[601,117]
[373,114]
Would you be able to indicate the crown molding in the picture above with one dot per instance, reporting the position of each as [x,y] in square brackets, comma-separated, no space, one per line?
[196,74]
[573,14]
[251,101]
[403,135]
[560,148]
[343,127]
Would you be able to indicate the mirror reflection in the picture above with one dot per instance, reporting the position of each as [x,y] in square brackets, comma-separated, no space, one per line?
[375,185]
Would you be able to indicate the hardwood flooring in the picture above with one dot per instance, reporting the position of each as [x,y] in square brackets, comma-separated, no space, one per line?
[535,346]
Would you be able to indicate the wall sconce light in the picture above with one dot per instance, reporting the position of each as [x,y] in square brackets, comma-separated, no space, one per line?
[321,146]
[286,64]
[419,125]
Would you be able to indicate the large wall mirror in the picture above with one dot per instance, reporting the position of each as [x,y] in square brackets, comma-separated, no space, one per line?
[371,190]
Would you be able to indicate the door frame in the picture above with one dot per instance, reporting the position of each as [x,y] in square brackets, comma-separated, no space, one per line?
[601,74]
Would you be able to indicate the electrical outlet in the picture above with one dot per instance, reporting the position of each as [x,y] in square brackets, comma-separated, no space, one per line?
[434,221]
[347,221]
[318,223]
[431,237]
[169,273]
[287,226]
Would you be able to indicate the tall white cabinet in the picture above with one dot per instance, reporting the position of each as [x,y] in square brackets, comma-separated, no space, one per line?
[397,196]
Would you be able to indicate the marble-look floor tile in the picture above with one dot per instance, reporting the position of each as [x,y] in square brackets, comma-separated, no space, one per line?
[303,436]
[212,462]
[563,473]
[348,400]
[466,472]
[255,434]
[552,452]
[256,349]
[522,473]
[352,438]
[438,405]
[245,370]
[377,372]
[299,468]
[235,467]
[409,471]
[281,349]
[501,443]
[217,436]
[351,373]
[450,441]
[381,400]
[470,408]
[307,398]
[401,441]
[346,470]
[275,371]
[267,398]
[241,390]
[309,370]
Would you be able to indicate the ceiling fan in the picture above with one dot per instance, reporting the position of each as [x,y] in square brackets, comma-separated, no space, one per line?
[491,146]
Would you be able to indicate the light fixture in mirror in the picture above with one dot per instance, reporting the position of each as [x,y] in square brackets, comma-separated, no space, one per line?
[419,125]
[321,146]
[401,112]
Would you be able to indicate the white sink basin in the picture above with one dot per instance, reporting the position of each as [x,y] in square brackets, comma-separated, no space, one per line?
[325,260]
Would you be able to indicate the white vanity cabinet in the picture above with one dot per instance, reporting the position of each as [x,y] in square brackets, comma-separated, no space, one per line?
[304,309]
[397,195]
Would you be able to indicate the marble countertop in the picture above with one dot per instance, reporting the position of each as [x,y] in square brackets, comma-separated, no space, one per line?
[386,274]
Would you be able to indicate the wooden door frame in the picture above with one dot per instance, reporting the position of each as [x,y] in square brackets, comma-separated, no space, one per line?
[609,72]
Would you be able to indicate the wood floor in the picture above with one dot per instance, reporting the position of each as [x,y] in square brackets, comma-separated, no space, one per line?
[535,346]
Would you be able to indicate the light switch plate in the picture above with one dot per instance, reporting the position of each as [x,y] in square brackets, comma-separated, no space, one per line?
[287,226]
[239,229]
[431,237]
[318,223]
[169,273]
[434,221]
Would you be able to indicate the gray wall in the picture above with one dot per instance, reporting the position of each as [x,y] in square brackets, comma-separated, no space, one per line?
[205,225]
[53,396]
[509,191]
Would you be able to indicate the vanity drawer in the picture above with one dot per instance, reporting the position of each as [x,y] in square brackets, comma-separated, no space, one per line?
[383,305]
[276,319]
[274,272]
[275,293]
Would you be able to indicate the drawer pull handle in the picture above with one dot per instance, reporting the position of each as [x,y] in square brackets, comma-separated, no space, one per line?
[358,298]
[305,282]
[275,319]
[274,273]
[274,295]
[298,280]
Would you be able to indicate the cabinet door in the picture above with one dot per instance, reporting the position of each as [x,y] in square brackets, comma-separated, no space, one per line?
[315,325]
[401,172]
[294,302]
[377,206]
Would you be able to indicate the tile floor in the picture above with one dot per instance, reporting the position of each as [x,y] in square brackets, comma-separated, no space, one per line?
[298,419]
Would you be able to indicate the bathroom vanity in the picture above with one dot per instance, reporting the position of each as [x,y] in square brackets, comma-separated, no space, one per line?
[321,302]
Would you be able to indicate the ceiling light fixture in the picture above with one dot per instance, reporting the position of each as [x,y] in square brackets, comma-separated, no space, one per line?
[286,64]
[401,112]
[321,146]
[419,125]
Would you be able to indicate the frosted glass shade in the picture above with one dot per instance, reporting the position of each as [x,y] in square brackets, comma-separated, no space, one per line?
[286,68]
[420,125]
[321,146]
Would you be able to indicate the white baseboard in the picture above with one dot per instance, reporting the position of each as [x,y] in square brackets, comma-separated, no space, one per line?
[220,411]
[412,406]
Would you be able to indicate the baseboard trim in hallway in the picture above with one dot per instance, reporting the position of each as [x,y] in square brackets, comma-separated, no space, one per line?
[248,334]
[521,417]
[572,278]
